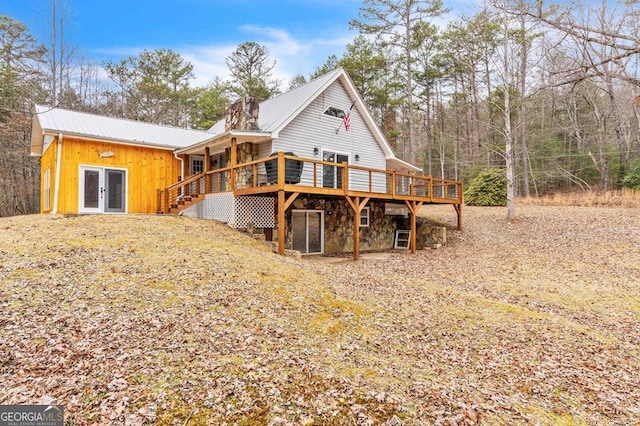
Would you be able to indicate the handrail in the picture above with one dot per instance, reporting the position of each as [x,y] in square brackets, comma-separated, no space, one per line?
[184,182]
[355,178]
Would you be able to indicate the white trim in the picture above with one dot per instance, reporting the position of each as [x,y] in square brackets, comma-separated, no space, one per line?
[192,159]
[113,141]
[402,242]
[56,189]
[307,211]
[368,217]
[333,151]
[46,189]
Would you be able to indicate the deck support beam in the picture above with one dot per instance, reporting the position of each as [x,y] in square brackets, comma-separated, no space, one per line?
[357,207]
[283,204]
[458,208]
[413,207]
[281,220]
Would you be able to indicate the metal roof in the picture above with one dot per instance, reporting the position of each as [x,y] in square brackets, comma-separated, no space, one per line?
[91,126]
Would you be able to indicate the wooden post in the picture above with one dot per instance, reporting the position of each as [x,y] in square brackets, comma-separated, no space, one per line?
[345,177]
[159,201]
[315,175]
[233,163]
[254,181]
[281,170]
[393,184]
[357,207]
[207,168]
[356,230]
[458,208]
[281,219]
[413,209]
[413,227]
[165,210]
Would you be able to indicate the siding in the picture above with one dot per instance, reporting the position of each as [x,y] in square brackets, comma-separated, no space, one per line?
[148,169]
[48,160]
[312,128]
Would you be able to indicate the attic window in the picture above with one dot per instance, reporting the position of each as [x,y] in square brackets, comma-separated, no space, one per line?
[335,112]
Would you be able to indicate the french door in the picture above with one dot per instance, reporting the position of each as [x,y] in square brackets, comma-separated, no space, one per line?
[102,190]
[308,231]
[332,175]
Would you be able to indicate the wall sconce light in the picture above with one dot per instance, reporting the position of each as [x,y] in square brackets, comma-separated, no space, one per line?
[357,157]
[316,150]
[214,163]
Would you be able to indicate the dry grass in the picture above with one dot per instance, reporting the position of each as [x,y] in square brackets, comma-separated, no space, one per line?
[144,319]
[627,198]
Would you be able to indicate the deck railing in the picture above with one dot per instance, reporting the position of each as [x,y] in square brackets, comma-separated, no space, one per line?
[316,177]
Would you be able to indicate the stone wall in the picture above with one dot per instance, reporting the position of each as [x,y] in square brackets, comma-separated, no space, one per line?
[379,235]
[242,115]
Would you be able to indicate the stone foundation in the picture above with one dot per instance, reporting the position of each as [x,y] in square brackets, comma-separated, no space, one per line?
[379,235]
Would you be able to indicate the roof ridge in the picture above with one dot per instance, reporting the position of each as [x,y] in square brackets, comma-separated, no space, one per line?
[323,76]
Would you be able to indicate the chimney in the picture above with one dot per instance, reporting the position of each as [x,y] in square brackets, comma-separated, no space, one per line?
[242,115]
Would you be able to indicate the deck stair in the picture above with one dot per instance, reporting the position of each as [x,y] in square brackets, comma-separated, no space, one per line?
[182,203]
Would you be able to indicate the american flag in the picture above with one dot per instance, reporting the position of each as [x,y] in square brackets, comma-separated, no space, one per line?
[347,118]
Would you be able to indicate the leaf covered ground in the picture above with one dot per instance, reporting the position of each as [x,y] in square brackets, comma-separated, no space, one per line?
[165,320]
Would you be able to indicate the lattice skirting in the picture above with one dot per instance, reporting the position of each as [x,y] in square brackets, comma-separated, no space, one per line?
[237,212]
[396,210]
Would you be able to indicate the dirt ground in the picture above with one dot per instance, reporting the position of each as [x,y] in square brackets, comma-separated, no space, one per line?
[164,320]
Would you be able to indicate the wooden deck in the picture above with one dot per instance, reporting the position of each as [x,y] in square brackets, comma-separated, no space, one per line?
[279,176]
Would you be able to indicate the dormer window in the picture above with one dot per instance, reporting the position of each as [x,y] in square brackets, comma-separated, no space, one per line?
[335,112]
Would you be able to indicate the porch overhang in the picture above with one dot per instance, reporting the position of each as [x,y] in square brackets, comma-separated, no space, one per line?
[394,163]
[223,140]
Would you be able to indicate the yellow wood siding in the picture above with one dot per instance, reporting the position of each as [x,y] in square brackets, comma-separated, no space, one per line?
[148,170]
[48,161]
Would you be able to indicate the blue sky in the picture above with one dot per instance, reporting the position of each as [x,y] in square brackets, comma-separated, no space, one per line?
[300,34]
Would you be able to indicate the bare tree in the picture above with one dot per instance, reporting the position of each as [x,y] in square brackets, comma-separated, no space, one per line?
[61,50]
[395,22]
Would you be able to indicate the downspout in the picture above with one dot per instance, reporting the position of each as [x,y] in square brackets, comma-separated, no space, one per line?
[175,154]
[56,192]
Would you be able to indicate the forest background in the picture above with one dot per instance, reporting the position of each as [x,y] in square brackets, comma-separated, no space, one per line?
[547,93]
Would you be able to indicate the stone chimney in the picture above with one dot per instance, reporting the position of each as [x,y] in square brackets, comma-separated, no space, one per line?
[242,115]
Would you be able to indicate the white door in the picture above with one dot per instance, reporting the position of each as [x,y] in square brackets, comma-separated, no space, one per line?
[102,190]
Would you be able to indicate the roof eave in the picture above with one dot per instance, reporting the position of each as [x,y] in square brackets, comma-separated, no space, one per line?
[84,136]
[240,135]
[402,164]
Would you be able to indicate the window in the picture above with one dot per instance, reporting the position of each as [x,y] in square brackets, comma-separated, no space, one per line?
[46,189]
[335,112]
[402,239]
[364,217]
[332,175]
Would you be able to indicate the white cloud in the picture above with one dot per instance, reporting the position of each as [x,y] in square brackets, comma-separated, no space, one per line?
[293,56]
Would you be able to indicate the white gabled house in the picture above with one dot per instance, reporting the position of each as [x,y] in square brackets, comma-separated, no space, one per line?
[290,166]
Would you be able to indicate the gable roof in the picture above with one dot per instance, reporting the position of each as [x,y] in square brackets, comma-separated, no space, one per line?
[53,121]
[276,113]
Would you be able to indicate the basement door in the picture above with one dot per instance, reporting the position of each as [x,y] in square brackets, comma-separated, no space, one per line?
[102,190]
[308,231]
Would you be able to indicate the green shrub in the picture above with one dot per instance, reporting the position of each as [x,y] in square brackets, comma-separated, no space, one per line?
[489,188]
[632,177]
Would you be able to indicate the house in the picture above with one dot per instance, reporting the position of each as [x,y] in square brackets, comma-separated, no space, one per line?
[312,160]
